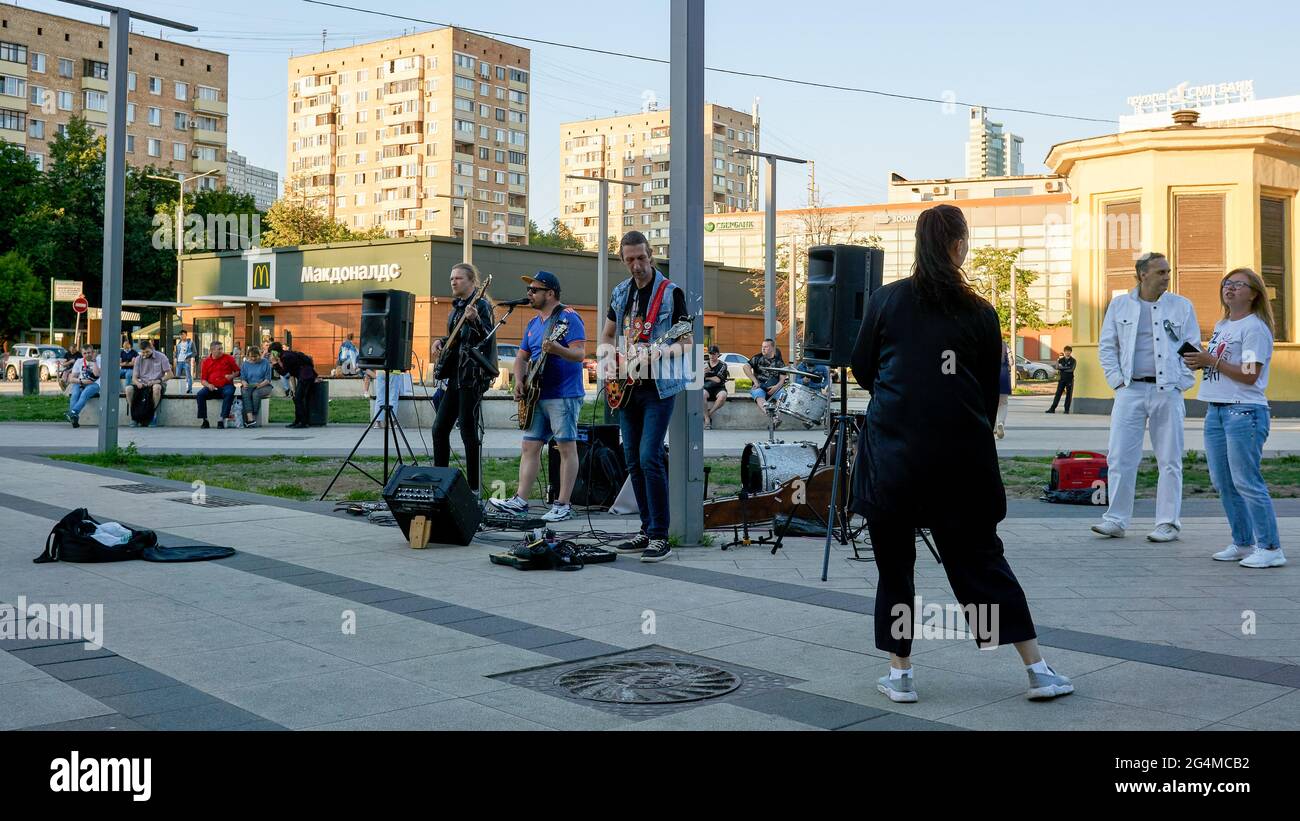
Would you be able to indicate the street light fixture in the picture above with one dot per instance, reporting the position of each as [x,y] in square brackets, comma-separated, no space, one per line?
[769,241]
[180,180]
[602,253]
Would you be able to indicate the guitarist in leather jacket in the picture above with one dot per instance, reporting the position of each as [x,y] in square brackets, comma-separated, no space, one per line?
[465,370]
[562,392]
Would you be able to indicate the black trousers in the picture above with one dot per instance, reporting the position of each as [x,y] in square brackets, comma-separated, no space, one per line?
[302,399]
[1067,387]
[458,405]
[977,571]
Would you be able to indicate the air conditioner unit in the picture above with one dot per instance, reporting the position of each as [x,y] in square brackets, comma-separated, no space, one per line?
[939,189]
[195,154]
[1054,186]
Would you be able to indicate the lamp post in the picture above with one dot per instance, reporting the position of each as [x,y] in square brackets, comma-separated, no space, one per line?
[469,238]
[602,252]
[180,180]
[769,240]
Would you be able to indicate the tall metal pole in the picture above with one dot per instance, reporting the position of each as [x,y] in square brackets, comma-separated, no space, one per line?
[790,277]
[602,253]
[686,238]
[769,251]
[1013,328]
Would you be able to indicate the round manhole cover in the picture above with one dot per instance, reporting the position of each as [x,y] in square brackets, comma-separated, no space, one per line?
[649,682]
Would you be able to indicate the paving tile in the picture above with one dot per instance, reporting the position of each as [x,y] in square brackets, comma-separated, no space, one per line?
[377,594]
[73,670]
[898,721]
[217,716]
[465,672]
[460,714]
[790,657]
[942,693]
[332,697]
[410,604]
[176,697]
[94,724]
[725,716]
[123,683]
[1281,713]
[14,669]
[1116,648]
[383,643]
[218,671]
[446,615]
[548,710]
[579,649]
[1233,666]
[809,708]
[1288,676]
[1171,690]
[41,701]
[490,625]
[531,637]
[1072,712]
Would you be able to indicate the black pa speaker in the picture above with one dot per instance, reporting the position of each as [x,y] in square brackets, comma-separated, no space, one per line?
[840,280]
[441,495]
[599,481]
[387,325]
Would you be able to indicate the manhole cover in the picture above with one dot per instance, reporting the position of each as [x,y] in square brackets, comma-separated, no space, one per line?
[649,682]
[213,501]
[143,488]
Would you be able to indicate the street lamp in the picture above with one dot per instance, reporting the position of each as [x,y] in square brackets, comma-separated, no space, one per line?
[469,238]
[602,252]
[180,180]
[769,241]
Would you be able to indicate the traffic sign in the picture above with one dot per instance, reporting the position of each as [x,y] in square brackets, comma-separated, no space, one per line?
[80,305]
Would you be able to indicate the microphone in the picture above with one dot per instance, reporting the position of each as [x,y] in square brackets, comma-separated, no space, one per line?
[514,303]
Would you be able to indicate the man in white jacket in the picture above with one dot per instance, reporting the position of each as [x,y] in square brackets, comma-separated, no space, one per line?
[1140,338]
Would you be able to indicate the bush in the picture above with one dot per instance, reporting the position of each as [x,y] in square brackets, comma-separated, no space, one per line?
[743,384]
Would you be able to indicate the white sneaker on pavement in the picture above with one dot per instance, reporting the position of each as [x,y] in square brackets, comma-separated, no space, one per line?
[1108,528]
[1163,533]
[1264,558]
[1233,553]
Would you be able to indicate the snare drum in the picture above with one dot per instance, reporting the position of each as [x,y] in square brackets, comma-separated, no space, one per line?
[804,404]
[766,466]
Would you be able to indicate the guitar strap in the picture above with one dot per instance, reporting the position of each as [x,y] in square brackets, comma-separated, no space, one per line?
[653,313]
[560,308]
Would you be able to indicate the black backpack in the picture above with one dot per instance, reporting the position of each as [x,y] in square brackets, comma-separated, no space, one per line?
[142,407]
[72,540]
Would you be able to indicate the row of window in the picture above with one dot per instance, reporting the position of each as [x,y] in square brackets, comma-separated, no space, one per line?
[485,70]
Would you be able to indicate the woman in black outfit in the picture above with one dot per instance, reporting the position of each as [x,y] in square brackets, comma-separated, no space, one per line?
[467,376]
[299,366]
[928,352]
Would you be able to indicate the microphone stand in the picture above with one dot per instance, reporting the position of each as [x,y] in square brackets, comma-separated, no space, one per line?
[473,352]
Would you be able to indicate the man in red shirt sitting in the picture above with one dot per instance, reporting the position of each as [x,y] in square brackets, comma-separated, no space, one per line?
[218,368]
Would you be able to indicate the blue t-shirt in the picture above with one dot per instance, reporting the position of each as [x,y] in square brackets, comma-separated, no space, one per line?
[821,370]
[255,372]
[561,379]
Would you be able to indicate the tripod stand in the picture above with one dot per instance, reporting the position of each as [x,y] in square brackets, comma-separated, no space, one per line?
[392,428]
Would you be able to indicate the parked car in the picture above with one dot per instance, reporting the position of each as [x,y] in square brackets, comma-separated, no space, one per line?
[1029,369]
[50,357]
[505,366]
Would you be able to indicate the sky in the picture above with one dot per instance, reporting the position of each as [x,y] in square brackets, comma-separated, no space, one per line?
[1080,59]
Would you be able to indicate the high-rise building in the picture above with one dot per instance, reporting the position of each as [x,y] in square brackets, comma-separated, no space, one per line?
[992,152]
[635,148]
[382,133]
[53,68]
[262,183]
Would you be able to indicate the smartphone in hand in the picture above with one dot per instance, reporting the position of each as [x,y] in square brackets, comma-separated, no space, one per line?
[1187,348]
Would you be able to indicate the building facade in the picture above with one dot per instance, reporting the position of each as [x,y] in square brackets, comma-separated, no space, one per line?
[262,183]
[53,68]
[1280,111]
[635,148]
[992,151]
[385,132]
[1211,198]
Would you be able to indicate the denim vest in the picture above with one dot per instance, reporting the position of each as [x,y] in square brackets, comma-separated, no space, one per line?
[672,378]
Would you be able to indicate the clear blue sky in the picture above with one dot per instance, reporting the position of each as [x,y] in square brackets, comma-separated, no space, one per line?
[1082,59]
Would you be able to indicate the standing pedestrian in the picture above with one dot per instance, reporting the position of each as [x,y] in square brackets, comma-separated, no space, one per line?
[1064,379]
[1004,395]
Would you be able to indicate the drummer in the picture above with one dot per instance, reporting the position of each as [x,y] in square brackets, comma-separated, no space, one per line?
[766,385]
[822,385]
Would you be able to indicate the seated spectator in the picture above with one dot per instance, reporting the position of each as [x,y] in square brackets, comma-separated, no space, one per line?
[822,385]
[715,385]
[85,384]
[128,355]
[766,385]
[347,359]
[255,374]
[65,372]
[151,372]
[215,374]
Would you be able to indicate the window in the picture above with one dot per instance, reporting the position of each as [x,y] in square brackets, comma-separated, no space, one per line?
[13,86]
[1273,231]
[65,68]
[96,101]
[518,76]
[130,81]
[485,71]
[1200,254]
[39,159]
[210,154]
[36,95]
[485,111]
[178,151]
[182,91]
[65,100]
[209,93]
[180,121]
[13,53]
[464,61]
[484,133]
[484,90]
[465,84]
[155,116]
[38,62]
[95,69]
[36,129]
[464,105]
[518,138]
[155,85]
[522,98]
[481,217]
[213,124]
[1023,191]
[130,143]
[155,147]
[500,178]
[13,120]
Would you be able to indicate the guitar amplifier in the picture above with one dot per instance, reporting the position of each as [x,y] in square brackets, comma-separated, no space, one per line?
[441,495]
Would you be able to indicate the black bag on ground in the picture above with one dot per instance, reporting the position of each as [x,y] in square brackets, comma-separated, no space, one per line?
[142,407]
[600,476]
[72,540]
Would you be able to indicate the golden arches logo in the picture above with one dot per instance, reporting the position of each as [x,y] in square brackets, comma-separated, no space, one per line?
[261,275]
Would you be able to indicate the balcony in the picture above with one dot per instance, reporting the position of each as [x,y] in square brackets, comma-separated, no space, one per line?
[405,74]
[515,85]
[416,116]
[403,96]
[13,136]
[518,189]
[203,166]
[398,159]
[320,108]
[399,204]
[93,84]
[96,117]
[518,209]
[408,138]
[517,229]
[203,135]
[517,168]
[203,106]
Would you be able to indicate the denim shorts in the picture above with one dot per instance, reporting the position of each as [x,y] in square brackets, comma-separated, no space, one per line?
[555,417]
[757,393]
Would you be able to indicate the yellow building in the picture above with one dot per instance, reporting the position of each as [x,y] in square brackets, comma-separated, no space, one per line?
[1211,198]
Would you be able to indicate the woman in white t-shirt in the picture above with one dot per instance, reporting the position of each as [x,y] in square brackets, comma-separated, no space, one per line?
[1237,418]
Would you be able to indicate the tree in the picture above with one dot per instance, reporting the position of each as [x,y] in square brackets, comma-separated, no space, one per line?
[20,181]
[558,237]
[21,295]
[990,275]
[293,221]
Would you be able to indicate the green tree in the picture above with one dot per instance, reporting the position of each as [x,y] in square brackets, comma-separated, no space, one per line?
[558,237]
[292,221]
[990,275]
[20,182]
[21,295]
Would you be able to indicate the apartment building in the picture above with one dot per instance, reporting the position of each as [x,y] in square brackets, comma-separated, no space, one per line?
[245,178]
[992,151]
[53,68]
[406,132]
[635,148]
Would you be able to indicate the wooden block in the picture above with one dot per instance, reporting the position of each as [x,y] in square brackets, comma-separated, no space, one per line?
[421,529]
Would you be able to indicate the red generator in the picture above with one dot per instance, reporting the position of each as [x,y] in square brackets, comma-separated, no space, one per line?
[1077,470]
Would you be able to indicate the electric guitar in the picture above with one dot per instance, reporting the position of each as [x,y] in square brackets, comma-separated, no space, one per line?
[616,389]
[533,383]
[451,337]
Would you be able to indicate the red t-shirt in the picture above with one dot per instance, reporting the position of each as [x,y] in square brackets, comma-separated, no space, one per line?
[217,372]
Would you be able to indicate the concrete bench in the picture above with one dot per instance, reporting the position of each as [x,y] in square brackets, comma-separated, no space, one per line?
[176,411]
[742,413]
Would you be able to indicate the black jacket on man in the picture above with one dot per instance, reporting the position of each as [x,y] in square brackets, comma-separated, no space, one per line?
[926,455]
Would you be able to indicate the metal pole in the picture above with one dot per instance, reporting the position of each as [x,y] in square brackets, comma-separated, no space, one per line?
[769,255]
[51,310]
[686,238]
[114,206]
[469,237]
[602,255]
[790,313]
[1013,328]
[180,236]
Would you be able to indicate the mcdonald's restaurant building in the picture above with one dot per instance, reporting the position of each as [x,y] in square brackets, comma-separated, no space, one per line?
[311,295]
[1211,199]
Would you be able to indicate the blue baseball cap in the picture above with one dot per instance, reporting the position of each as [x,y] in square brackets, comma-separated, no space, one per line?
[543,279]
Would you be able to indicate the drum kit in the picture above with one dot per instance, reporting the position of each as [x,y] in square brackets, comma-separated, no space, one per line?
[807,404]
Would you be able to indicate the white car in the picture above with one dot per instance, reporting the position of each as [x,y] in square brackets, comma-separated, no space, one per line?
[735,365]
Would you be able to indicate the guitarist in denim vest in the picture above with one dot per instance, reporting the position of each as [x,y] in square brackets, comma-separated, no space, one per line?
[641,310]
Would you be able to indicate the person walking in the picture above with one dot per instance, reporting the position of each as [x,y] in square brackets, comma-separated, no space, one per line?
[1237,417]
[1065,379]
[1004,395]
[928,352]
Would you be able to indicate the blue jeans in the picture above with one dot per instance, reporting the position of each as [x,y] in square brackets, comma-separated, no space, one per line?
[186,369]
[227,394]
[643,423]
[81,396]
[1234,445]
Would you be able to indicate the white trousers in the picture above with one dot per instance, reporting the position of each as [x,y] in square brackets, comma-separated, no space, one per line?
[1135,406]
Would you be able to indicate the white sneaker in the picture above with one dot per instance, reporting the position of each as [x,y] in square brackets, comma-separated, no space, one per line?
[999,431]
[1163,533]
[514,506]
[558,513]
[1264,558]
[1233,553]
[1108,528]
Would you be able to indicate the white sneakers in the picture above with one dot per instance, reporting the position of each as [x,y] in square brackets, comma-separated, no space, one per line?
[999,431]
[1264,558]
[1108,528]
[1163,533]
[1233,553]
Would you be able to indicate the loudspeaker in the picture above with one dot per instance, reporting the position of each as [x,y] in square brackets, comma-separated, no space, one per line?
[387,325]
[597,484]
[318,404]
[840,280]
[440,495]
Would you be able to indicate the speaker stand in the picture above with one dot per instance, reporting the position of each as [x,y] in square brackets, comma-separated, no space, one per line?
[392,428]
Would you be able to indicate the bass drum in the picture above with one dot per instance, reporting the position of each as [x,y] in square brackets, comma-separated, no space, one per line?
[765,466]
